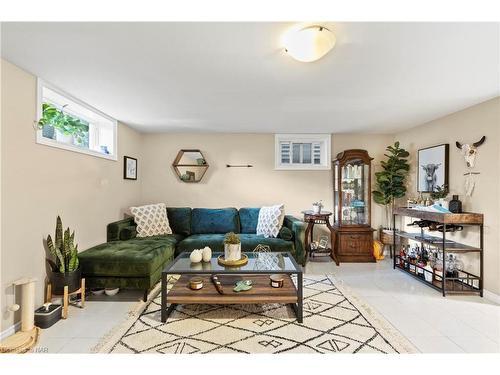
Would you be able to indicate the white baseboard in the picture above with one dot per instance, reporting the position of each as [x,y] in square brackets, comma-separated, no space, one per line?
[491,296]
[10,331]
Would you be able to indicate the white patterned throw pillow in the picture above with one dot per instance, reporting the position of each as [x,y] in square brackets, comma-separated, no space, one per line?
[270,220]
[151,220]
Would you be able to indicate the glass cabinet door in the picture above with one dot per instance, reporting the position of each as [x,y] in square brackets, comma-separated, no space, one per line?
[336,196]
[355,193]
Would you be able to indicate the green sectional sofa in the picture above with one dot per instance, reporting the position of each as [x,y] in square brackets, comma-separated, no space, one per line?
[127,261]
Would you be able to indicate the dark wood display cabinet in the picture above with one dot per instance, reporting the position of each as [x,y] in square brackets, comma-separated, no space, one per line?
[352,206]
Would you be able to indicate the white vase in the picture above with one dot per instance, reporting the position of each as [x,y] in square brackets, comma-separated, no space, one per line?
[63,138]
[444,203]
[196,256]
[232,251]
[206,254]
[316,209]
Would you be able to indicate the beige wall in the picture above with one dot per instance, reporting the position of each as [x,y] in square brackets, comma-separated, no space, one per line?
[243,187]
[41,182]
[468,126]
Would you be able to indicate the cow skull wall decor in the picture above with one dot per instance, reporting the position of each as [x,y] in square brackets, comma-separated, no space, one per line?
[470,151]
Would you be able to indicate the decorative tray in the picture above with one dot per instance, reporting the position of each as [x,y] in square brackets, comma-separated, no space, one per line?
[233,263]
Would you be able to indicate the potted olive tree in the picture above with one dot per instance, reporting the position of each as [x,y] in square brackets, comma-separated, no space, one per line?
[65,270]
[390,182]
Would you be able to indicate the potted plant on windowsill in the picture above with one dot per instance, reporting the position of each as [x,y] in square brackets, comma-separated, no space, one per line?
[232,247]
[65,128]
[65,270]
[391,182]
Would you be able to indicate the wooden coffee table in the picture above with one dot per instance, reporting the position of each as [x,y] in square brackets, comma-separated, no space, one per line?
[254,270]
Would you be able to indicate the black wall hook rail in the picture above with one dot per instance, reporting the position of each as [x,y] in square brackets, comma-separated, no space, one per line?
[239,166]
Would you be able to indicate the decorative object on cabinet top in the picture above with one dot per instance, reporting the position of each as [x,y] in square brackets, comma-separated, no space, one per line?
[190,165]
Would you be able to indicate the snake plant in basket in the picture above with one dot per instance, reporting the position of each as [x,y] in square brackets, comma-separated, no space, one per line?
[64,265]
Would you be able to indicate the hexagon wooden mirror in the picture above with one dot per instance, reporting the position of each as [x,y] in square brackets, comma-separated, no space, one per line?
[190,165]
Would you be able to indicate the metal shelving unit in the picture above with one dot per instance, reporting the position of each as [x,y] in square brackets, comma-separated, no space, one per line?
[464,282]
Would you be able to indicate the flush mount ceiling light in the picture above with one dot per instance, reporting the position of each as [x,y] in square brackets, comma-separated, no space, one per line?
[309,43]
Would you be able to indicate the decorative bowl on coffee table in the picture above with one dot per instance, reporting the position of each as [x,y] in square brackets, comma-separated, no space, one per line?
[232,263]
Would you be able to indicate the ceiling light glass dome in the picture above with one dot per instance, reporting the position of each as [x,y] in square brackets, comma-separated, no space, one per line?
[309,43]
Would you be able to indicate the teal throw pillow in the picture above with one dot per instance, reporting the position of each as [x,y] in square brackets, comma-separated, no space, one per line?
[285,234]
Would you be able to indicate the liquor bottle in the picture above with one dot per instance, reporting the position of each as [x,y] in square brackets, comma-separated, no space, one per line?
[402,256]
[413,259]
[418,261]
[425,255]
[450,266]
[408,252]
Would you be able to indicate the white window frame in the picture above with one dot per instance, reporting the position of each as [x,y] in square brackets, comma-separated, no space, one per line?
[40,139]
[324,139]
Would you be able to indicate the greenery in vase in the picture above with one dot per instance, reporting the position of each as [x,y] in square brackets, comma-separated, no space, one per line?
[231,239]
[64,250]
[391,181]
[64,123]
[441,192]
[319,204]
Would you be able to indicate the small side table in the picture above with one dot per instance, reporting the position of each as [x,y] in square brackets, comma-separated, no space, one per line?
[322,218]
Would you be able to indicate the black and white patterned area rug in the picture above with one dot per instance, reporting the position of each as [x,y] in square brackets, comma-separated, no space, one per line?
[334,322]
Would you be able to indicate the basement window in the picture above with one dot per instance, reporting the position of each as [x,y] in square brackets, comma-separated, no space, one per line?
[302,151]
[70,124]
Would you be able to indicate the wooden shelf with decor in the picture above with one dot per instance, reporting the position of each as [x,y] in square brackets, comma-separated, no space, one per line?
[190,165]
[463,282]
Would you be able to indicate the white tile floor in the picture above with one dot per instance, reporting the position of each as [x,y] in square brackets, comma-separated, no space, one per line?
[455,324]
[434,324]
[84,327]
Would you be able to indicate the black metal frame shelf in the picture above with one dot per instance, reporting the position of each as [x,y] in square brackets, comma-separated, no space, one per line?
[452,246]
[462,283]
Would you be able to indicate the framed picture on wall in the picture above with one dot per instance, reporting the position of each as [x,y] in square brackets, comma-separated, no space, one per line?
[432,168]
[129,168]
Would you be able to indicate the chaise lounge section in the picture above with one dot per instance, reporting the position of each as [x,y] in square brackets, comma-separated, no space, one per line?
[129,262]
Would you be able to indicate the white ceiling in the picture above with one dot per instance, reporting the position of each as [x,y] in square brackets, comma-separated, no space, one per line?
[234,77]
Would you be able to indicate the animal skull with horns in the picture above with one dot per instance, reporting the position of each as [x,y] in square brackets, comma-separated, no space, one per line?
[470,151]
